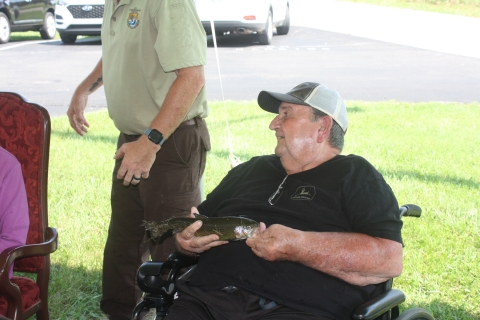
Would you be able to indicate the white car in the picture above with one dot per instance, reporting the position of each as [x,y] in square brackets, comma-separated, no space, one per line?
[78,17]
[245,17]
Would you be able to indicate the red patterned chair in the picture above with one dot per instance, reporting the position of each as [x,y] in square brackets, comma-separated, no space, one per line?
[25,132]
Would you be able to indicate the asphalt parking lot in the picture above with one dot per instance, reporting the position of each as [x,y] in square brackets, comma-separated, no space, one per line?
[361,59]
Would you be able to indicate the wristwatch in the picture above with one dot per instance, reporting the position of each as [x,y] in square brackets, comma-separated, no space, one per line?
[155,136]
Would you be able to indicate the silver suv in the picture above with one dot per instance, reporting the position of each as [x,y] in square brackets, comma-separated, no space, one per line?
[78,17]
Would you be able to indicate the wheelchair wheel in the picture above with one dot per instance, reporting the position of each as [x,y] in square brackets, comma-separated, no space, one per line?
[141,306]
[416,314]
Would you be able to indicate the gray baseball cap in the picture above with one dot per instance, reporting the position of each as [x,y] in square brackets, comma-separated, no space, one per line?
[312,94]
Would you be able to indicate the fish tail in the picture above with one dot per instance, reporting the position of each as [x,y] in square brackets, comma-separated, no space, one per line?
[156,228]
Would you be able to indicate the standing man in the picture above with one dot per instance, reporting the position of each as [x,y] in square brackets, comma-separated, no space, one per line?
[153,52]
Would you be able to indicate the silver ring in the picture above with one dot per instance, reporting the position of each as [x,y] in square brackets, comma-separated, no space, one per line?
[135,178]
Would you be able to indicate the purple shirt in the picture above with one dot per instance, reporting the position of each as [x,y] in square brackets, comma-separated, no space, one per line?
[14,219]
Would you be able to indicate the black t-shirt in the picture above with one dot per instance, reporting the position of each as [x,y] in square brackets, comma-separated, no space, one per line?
[344,194]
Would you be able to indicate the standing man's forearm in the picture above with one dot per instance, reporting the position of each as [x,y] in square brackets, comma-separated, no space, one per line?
[76,110]
[92,82]
[179,99]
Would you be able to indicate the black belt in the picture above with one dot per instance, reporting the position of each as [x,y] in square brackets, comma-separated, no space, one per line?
[190,122]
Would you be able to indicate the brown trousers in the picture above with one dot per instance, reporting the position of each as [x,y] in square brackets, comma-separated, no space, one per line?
[171,190]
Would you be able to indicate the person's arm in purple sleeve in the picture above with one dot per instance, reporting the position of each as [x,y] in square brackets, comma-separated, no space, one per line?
[14,219]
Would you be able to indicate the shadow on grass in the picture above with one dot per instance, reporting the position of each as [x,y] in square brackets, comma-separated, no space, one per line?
[453,180]
[71,135]
[355,109]
[231,121]
[225,154]
[74,292]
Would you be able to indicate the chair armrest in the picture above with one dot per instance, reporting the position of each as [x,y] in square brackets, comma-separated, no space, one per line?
[378,305]
[7,257]
[11,254]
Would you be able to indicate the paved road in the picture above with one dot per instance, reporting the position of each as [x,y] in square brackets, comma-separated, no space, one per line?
[419,29]
[351,47]
[359,68]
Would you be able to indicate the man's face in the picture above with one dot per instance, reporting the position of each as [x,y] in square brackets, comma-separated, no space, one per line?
[296,133]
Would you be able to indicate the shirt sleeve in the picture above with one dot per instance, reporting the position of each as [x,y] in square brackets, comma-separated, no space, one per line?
[181,40]
[14,219]
[373,209]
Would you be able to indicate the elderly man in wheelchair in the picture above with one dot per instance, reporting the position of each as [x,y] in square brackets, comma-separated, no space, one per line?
[330,231]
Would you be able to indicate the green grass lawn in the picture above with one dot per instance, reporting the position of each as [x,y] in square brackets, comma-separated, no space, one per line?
[428,153]
[469,8]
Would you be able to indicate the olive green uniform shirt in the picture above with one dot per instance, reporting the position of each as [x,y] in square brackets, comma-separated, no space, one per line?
[143,43]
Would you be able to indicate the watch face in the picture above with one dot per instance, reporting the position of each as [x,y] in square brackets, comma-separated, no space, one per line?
[155,136]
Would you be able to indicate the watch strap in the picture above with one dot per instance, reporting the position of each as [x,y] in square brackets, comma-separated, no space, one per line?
[155,136]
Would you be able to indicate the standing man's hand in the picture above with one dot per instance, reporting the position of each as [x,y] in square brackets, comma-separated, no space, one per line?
[138,158]
[76,110]
[76,113]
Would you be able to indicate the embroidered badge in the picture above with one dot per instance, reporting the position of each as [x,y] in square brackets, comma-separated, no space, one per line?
[133,20]
[304,193]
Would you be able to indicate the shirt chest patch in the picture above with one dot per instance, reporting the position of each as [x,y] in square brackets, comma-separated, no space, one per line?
[133,18]
[304,193]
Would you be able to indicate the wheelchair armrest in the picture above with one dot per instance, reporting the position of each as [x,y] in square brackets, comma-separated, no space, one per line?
[378,305]
[410,210]
[150,274]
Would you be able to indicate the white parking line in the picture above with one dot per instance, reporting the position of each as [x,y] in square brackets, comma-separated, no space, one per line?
[25,44]
[284,48]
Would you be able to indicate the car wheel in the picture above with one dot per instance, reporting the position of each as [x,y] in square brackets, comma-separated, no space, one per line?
[68,38]
[4,28]
[48,30]
[285,27]
[267,35]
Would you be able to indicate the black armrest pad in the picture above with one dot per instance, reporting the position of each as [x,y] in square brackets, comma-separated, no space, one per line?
[379,305]
[150,274]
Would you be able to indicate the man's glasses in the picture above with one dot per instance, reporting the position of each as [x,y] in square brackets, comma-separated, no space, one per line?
[277,194]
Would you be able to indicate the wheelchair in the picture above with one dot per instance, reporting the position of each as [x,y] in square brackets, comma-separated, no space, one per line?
[157,281]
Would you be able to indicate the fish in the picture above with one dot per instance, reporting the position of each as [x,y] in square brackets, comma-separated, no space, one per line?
[228,228]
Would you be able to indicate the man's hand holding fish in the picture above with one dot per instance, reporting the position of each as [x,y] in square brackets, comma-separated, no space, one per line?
[187,241]
[276,242]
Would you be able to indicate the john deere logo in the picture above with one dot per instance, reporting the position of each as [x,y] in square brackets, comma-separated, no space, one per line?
[87,8]
[304,193]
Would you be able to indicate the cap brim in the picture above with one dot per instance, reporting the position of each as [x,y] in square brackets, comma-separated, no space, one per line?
[270,101]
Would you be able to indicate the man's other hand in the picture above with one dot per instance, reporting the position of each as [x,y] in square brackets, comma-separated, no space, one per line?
[275,242]
[137,160]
